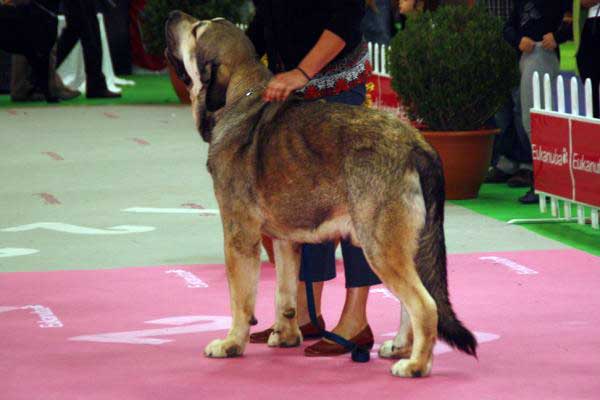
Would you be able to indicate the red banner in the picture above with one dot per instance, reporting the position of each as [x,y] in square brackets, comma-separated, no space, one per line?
[551,150]
[586,161]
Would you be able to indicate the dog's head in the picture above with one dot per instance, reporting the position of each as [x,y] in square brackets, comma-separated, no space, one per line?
[204,55]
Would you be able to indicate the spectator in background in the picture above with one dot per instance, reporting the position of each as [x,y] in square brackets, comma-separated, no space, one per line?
[586,30]
[378,23]
[82,24]
[533,30]
[511,158]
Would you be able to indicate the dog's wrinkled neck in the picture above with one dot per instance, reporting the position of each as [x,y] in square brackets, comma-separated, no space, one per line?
[247,77]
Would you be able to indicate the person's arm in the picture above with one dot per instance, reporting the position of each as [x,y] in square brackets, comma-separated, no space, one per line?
[338,30]
[327,48]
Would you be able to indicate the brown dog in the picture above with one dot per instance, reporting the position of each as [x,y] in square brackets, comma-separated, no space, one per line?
[309,172]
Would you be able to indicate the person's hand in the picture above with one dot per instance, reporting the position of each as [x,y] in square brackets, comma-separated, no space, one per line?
[527,45]
[281,85]
[549,42]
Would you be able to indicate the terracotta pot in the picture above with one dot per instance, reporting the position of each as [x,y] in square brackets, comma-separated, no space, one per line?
[179,86]
[466,157]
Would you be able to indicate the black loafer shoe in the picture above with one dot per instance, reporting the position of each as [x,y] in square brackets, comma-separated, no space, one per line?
[529,198]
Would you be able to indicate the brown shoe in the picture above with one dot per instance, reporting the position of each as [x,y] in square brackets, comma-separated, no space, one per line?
[326,349]
[309,331]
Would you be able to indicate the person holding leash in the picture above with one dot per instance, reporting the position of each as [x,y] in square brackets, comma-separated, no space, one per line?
[315,49]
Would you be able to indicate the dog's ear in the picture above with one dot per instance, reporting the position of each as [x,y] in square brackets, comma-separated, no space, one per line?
[211,96]
[206,66]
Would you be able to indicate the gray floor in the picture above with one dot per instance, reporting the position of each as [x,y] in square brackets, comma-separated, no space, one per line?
[107,168]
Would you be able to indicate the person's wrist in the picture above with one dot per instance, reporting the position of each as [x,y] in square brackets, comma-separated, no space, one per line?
[303,72]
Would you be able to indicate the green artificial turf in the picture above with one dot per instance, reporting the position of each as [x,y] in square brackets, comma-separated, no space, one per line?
[148,89]
[498,201]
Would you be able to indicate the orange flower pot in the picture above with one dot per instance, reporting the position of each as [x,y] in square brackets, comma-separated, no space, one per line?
[466,157]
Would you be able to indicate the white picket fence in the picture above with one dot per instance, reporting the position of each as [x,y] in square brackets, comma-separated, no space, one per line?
[378,54]
[574,115]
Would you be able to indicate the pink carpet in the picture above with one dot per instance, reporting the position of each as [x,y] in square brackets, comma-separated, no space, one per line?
[138,333]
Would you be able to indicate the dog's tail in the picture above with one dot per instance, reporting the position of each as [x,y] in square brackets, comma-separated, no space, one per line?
[431,255]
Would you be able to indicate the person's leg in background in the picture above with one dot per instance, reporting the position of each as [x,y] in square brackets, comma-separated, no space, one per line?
[21,81]
[22,88]
[82,24]
[544,62]
[520,153]
[588,59]
[502,167]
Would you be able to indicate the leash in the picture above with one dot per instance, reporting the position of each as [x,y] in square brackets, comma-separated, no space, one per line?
[359,354]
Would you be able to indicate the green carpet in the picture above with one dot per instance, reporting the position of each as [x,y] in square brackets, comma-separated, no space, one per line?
[148,89]
[498,201]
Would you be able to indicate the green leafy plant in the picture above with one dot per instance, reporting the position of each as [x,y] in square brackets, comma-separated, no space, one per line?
[452,68]
[156,13]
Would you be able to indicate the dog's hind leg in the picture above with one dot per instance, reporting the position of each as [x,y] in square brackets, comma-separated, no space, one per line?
[401,345]
[388,228]
[286,332]
[242,257]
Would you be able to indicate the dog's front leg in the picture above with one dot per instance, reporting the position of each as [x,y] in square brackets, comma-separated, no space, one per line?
[286,332]
[242,256]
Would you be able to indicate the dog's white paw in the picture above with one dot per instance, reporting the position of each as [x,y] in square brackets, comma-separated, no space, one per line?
[279,339]
[223,348]
[389,350]
[410,369]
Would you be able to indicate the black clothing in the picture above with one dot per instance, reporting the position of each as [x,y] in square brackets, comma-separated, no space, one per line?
[82,23]
[287,30]
[588,58]
[534,19]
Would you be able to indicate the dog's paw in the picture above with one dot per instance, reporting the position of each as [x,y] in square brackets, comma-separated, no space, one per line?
[281,339]
[389,350]
[411,369]
[223,349]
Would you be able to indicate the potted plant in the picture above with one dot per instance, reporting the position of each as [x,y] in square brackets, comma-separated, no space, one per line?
[452,71]
[156,13]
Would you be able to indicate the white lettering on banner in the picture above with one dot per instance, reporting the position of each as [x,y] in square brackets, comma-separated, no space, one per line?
[15,252]
[386,293]
[184,325]
[81,230]
[581,164]
[555,157]
[520,269]
[441,347]
[192,280]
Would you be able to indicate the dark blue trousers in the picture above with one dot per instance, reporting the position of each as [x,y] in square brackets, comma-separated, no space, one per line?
[319,259]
